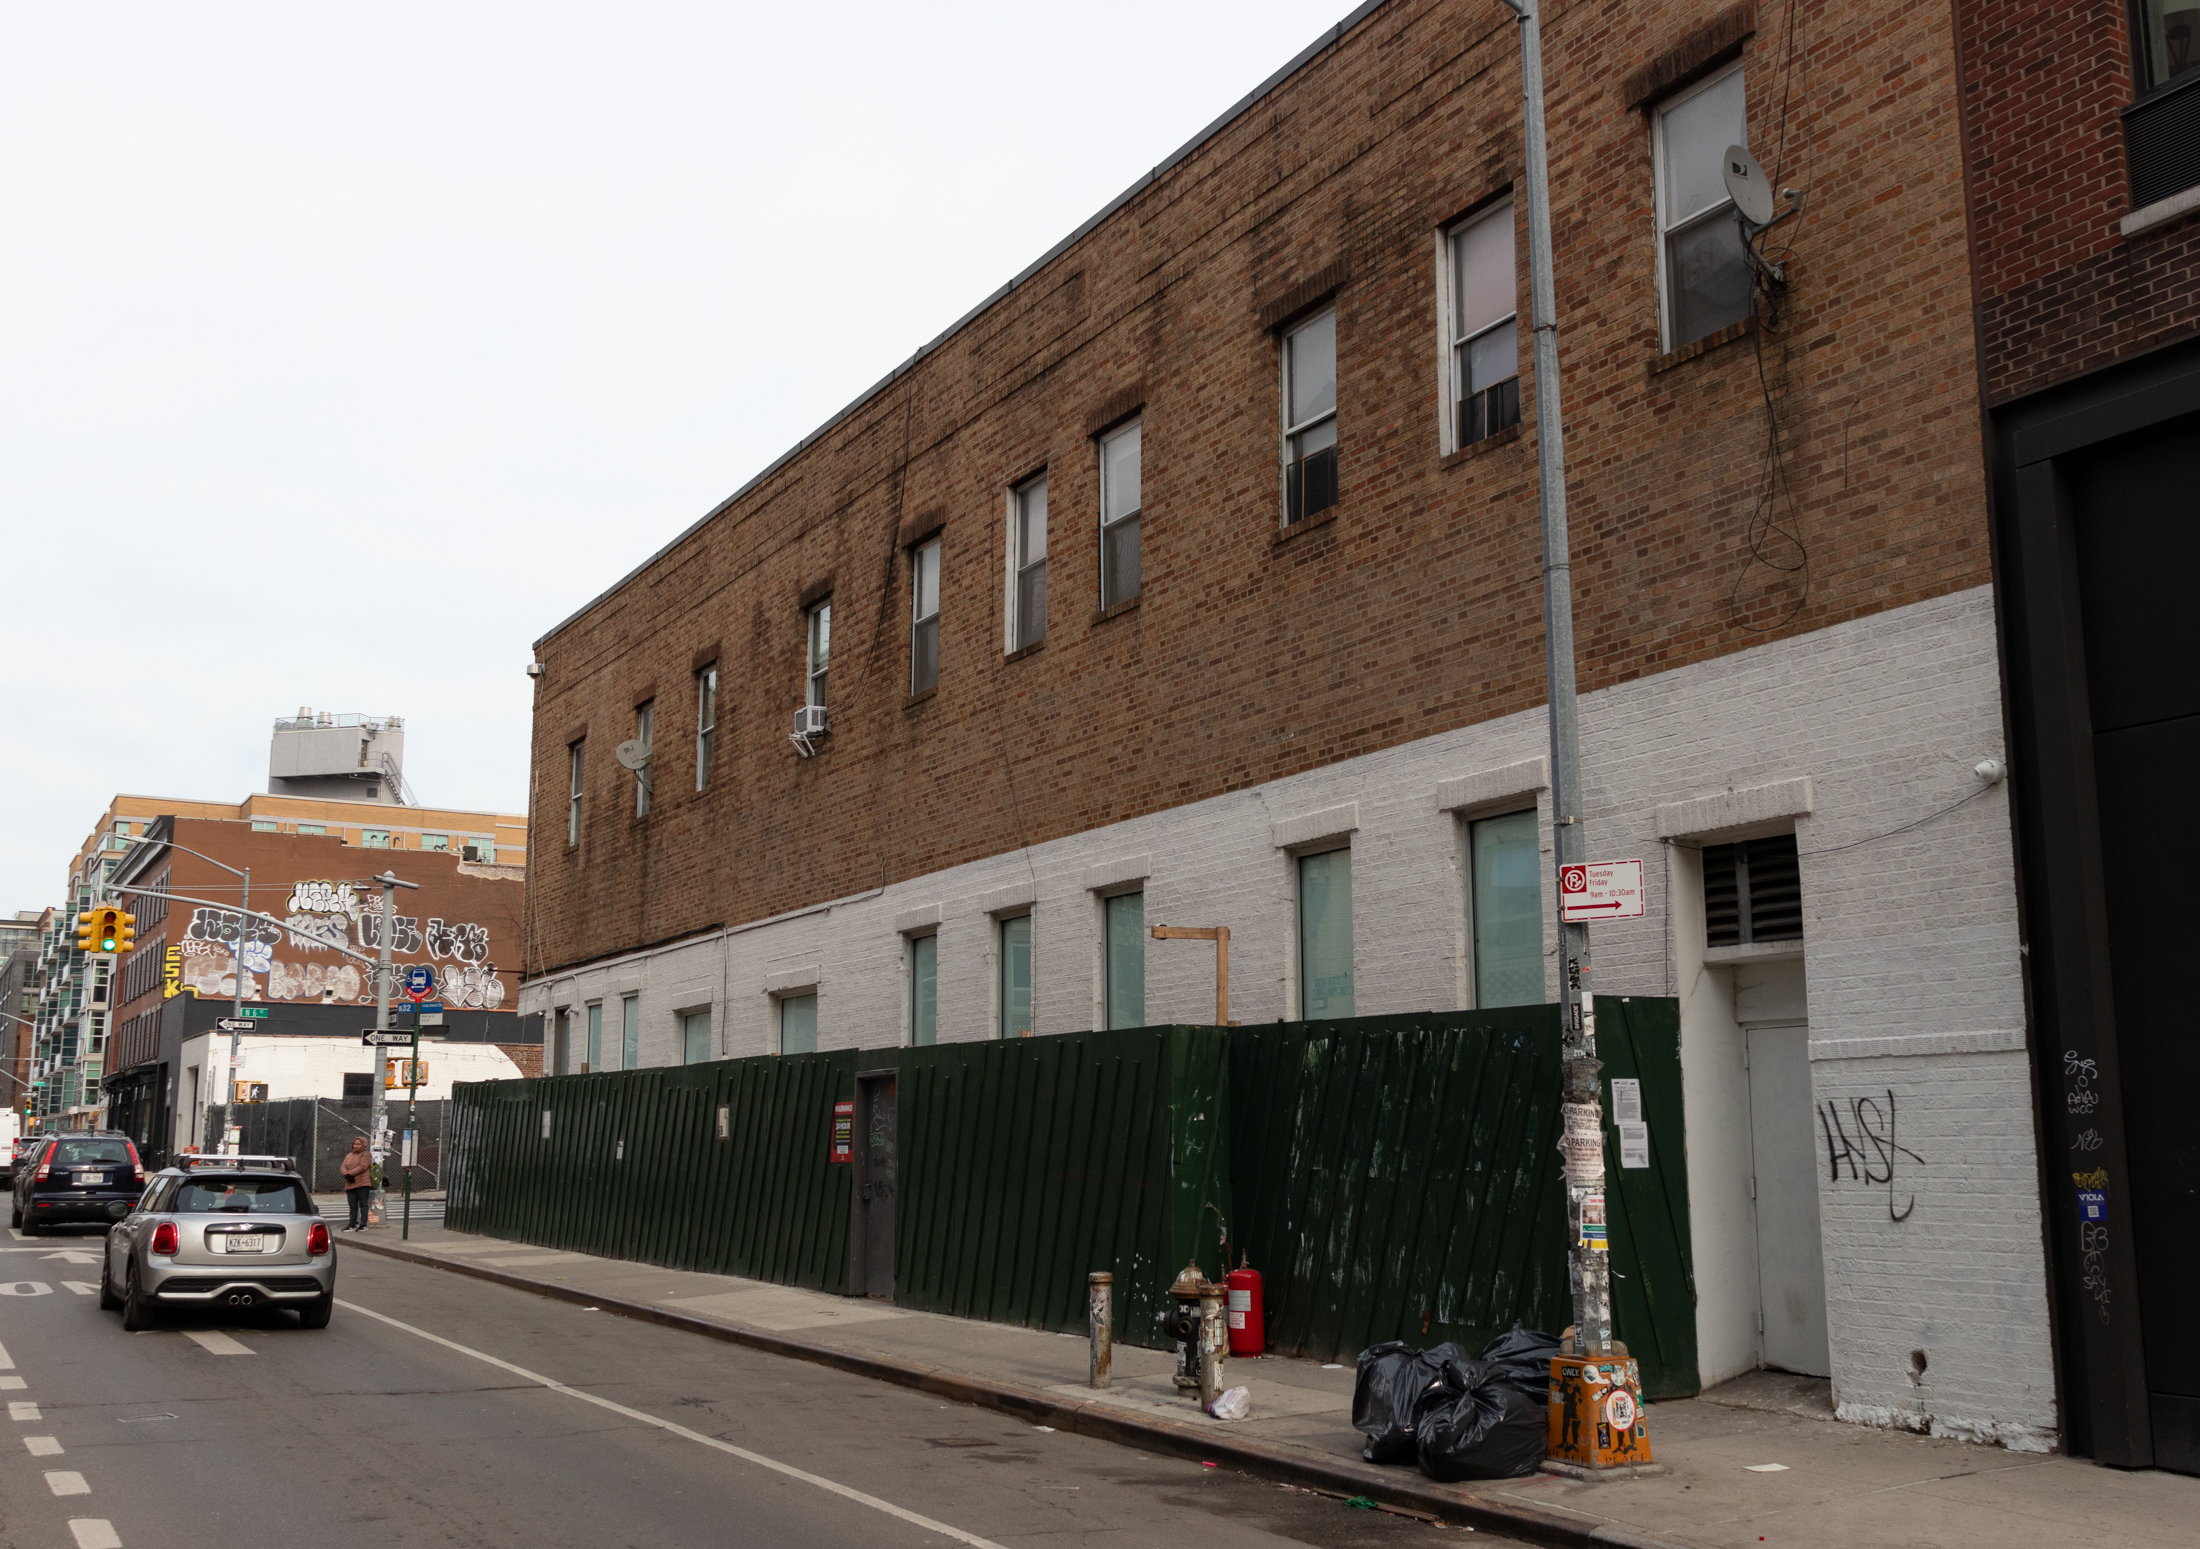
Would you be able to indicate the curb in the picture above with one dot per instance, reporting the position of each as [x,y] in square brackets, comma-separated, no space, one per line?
[1284,1465]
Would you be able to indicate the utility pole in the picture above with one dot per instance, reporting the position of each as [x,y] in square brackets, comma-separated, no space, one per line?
[1581,1141]
[378,1124]
[236,1031]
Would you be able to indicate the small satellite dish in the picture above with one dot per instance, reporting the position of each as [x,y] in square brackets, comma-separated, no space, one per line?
[1747,183]
[632,754]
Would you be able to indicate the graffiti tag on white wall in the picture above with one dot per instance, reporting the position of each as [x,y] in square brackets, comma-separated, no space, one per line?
[325,898]
[404,932]
[467,943]
[222,925]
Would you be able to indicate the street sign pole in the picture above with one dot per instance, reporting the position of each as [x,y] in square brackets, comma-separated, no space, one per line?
[236,1031]
[1581,1139]
[378,1104]
[412,1118]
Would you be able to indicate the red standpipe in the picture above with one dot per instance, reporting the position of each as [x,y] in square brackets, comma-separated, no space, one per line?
[1247,1316]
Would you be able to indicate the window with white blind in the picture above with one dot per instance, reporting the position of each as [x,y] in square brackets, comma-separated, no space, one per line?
[1119,514]
[924,617]
[1482,325]
[1310,418]
[706,722]
[1703,272]
[1027,564]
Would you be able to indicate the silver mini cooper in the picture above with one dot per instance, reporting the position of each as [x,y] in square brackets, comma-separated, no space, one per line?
[221,1231]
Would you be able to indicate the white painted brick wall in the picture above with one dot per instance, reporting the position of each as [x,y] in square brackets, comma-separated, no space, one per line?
[1914,934]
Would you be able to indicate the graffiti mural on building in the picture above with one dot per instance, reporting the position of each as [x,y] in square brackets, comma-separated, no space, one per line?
[404,932]
[328,984]
[222,925]
[325,898]
[207,969]
[465,942]
[473,988]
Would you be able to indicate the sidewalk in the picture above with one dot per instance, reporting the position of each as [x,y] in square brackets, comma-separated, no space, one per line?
[1760,1460]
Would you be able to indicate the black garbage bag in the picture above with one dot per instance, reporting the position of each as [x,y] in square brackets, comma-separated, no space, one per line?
[1396,1383]
[1524,1355]
[1483,1426]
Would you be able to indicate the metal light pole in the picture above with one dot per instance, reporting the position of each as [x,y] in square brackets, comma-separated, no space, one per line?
[236,1033]
[378,1123]
[1581,1142]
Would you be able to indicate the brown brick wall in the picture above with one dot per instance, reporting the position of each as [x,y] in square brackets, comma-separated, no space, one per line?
[1418,607]
[2061,289]
[449,890]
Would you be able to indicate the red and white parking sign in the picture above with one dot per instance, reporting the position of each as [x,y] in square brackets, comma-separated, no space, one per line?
[1600,890]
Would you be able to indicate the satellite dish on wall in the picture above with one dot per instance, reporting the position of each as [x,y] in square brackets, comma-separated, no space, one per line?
[632,754]
[1747,183]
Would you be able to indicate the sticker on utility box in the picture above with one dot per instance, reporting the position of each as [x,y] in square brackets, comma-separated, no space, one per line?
[1600,890]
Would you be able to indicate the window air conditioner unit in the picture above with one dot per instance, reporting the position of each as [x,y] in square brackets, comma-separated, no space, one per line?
[809,721]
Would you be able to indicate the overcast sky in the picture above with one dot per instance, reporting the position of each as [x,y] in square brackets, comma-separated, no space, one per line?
[346,349]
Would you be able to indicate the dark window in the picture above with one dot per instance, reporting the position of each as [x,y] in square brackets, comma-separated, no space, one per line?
[359,1087]
[90,1153]
[247,1196]
[1752,892]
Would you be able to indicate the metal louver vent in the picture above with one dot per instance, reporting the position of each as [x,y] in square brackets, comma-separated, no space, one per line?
[1752,892]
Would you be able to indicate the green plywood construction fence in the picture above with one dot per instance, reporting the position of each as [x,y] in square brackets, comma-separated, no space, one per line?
[1026,1165]
[632,1164]
[1397,1178]
[1391,1177]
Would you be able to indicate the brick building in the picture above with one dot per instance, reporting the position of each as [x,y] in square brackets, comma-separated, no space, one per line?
[165,1062]
[2083,132]
[1194,577]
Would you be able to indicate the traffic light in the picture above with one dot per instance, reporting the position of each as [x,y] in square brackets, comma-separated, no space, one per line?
[102,930]
[129,930]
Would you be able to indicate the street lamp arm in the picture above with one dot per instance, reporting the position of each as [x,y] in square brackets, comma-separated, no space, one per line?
[186,849]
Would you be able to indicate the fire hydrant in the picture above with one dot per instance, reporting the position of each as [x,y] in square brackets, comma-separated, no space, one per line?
[1196,1320]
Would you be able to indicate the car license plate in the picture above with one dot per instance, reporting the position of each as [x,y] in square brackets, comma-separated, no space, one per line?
[243,1244]
[88,1180]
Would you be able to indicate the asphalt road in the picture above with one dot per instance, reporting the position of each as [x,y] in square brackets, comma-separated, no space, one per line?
[440,1410]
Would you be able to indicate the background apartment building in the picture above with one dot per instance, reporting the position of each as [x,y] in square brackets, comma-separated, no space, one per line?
[2083,127]
[131,1041]
[1194,578]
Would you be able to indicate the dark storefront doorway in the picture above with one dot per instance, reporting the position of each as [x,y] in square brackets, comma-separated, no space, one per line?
[2137,538]
[2098,560]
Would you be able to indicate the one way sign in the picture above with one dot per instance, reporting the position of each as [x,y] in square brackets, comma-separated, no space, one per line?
[237,1025]
[1600,890]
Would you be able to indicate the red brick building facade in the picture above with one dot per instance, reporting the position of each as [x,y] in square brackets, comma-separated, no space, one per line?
[1320,720]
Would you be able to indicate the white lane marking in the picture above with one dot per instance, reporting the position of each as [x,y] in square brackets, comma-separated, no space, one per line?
[214,1342]
[42,1446]
[80,1287]
[8,1383]
[830,1486]
[22,1409]
[94,1533]
[7,1361]
[25,1288]
[67,1484]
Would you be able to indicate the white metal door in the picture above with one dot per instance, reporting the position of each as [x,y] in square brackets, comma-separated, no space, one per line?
[1791,1264]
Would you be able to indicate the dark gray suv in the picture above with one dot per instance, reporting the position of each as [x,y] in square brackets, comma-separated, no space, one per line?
[74,1176]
